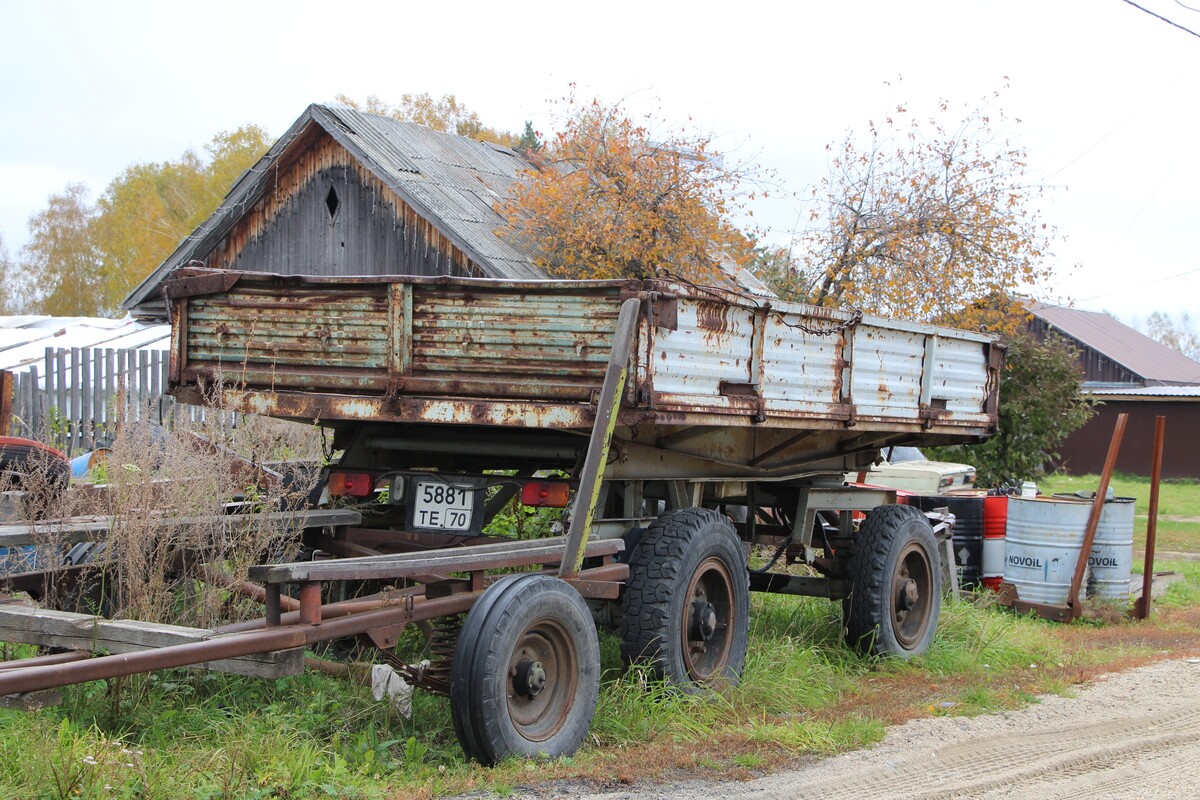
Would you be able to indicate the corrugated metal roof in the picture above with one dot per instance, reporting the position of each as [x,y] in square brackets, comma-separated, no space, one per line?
[24,339]
[452,181]
[1187,390]
[1131,349]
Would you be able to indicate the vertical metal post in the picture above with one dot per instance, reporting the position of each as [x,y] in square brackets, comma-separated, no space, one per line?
[1089,534]
[1141,608]
[310,603]
[6,401]
[607,406]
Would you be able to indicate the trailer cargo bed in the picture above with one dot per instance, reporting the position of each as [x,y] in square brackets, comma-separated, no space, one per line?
[762,386]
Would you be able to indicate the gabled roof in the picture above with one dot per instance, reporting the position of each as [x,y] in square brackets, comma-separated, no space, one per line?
[1137,352]
[452,181]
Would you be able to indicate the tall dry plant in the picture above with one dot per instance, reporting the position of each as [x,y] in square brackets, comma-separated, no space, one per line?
[190,507]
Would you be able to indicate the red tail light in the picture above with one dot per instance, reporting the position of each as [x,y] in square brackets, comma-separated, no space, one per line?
[545,493]
[351,484]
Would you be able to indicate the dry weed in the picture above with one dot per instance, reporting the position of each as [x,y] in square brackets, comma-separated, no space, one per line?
[189,508]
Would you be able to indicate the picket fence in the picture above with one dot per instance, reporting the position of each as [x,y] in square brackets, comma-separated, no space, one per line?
[76,396]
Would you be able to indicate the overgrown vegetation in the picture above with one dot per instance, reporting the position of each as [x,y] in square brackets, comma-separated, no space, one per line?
[207,735]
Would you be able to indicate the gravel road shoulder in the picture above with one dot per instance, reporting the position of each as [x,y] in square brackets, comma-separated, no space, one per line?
[1133,734]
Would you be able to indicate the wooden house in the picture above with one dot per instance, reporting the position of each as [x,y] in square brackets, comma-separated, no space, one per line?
[344,192]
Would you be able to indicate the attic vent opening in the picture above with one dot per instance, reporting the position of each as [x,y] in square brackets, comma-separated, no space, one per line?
[332,202]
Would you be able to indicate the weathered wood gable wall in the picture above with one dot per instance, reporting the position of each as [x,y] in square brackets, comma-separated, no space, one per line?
[324,213]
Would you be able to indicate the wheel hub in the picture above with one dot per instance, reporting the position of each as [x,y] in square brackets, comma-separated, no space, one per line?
[529,678]
[910,595]
[704,620]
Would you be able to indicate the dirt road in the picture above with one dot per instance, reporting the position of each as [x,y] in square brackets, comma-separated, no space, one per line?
[1134,734]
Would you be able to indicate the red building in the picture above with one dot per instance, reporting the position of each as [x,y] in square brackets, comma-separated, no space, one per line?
[1127,372]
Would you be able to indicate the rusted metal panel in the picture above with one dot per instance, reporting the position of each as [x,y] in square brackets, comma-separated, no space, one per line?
[960,376]
[886,372]
[518,338]
[532,354]
[802,371]
[711,345]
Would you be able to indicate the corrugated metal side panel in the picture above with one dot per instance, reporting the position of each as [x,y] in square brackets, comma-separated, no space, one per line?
[515,339]
[307,330]
[801,371]
[886,372]
[960,375]
[713,343]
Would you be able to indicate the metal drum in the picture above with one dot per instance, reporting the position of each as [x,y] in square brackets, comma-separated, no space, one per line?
[968,533]
[1111,561]
[1044,537]
[995,524]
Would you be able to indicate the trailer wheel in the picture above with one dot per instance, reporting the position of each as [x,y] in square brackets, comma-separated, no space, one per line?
[526,672]
[896,584]
[686,608]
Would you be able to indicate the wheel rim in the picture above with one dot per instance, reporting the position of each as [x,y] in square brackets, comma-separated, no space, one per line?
[706,632]
[912,595]
[542,680]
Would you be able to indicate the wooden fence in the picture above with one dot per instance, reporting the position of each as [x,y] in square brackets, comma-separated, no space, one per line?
[75,398]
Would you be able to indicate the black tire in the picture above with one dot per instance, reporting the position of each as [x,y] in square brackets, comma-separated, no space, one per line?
[526,672]
[686,608]
[896,584]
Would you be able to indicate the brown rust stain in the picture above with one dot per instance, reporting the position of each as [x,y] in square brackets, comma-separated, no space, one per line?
[712,316]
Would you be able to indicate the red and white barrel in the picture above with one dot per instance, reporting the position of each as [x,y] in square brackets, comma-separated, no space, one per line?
[995,523]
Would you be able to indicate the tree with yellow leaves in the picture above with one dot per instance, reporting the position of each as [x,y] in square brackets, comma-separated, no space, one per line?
[922,221]
[608,198]
[147,211]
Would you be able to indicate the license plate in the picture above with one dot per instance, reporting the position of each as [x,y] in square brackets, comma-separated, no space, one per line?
[444,506]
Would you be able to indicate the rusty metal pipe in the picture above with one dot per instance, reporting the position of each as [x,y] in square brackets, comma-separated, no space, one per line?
[250,589]
[1089,534]
[310,603]
[41,661]
[33,679]
[1142,607]
[341,608]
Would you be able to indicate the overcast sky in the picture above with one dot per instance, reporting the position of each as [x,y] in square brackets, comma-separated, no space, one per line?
[1108,97]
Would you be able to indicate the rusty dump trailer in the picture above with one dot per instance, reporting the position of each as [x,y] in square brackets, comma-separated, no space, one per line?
[675,425]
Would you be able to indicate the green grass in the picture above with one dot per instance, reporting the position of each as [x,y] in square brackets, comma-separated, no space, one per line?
[205,735]
[1178,527]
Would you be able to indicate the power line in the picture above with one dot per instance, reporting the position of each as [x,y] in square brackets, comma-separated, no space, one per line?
[1164,19]
[1140,285]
